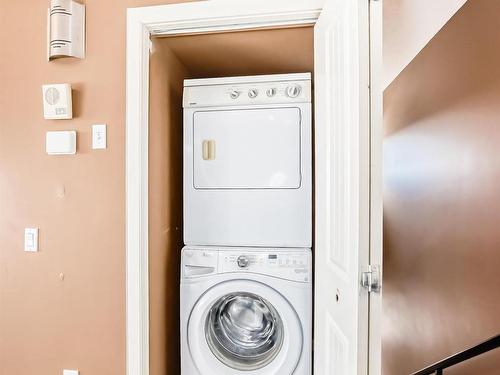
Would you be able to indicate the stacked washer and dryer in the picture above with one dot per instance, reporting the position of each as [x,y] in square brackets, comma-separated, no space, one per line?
[246,272]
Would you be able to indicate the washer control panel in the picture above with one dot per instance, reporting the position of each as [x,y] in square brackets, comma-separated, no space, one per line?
[290,265]
[278,89]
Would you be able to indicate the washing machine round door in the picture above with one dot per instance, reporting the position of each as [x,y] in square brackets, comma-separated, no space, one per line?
[244,331]
[246,327]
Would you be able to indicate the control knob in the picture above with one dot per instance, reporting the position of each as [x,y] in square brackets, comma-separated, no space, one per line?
[243,261]
[234,94]
[271,92]
[293,91]
[252,93]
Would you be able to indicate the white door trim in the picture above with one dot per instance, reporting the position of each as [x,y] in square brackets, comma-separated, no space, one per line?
[376,183]
[202,16]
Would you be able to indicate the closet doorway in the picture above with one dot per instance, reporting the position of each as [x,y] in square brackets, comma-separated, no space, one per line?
[339,42]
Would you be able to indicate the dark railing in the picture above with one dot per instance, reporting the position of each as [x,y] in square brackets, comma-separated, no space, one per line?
[438,367]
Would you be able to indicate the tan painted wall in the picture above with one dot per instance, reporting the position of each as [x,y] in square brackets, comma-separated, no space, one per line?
[442,210]
[77,202]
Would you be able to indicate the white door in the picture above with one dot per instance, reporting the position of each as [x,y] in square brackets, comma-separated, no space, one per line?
[342,170]
[247,149]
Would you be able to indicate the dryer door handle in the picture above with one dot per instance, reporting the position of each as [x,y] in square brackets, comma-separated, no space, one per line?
[208,149]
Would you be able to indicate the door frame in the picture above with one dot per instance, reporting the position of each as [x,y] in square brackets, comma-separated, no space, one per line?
[180,18]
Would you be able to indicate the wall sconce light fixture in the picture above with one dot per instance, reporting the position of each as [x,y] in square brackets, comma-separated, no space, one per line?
[66,29]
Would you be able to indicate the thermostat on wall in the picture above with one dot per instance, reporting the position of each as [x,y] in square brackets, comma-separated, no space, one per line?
[57,101]
[61,143]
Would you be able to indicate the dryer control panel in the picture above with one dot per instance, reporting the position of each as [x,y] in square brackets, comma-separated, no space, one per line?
[233,91]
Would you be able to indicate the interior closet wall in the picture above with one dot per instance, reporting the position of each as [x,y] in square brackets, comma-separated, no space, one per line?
[442,206]
[270,51]
[165,207]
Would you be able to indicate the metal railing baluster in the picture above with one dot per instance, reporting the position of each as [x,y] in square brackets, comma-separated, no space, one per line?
[438,367]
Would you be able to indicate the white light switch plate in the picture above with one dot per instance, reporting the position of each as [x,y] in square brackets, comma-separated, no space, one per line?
[31,239]
[99,136]
[70,372]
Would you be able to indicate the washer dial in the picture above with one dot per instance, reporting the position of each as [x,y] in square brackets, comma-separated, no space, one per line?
[243,261]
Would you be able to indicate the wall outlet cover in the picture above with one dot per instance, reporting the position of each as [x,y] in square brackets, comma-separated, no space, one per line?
[71,372]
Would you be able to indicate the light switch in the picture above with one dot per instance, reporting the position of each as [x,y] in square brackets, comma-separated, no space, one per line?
[70,372]
[99,136]
[31,239]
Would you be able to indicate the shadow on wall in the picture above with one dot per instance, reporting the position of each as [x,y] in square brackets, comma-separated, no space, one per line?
[441,206]
[165,208]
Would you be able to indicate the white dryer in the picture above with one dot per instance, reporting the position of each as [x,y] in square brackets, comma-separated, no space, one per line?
[247,161]
[246,311]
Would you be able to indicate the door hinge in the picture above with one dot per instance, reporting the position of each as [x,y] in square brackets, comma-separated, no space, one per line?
[371,280]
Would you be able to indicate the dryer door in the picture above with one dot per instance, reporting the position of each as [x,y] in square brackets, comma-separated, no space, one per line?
[244,327]
[247,149]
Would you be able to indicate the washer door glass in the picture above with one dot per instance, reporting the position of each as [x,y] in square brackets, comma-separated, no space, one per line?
[244,331]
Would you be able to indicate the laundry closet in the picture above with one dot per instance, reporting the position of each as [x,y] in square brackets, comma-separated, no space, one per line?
[174,59]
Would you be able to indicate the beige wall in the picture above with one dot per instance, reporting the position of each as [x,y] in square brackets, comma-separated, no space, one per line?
[78,202]
[442,206]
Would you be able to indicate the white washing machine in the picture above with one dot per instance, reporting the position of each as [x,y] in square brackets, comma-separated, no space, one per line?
[247,161]
[246,311]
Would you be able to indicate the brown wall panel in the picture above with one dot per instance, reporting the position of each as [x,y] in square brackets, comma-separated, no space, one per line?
[165,208]
[441,201]
[266,51]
